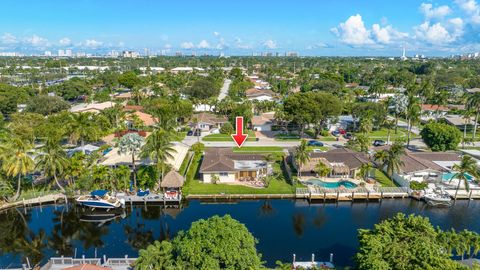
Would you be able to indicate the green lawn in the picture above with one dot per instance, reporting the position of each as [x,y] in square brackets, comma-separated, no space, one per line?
[383,179]
[226,137]
[278,185]
[256,149]
[382,134]
[287,137]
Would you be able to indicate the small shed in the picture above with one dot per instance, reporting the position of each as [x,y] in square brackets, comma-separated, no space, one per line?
[172,180]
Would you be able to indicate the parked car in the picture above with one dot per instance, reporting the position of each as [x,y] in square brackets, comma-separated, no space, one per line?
[190,133]
[342,131]
[314,143]
[379,143]
[348,136]
[336,133]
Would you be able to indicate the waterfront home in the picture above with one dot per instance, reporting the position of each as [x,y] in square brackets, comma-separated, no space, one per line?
[91,107]
[260,94]
[433,111]
[208,121]
[459,121]
[221,165]
[263,122]
[425,167]
[146,119]
[343,162]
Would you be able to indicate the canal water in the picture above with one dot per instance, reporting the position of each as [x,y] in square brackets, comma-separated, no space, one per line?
[282,227]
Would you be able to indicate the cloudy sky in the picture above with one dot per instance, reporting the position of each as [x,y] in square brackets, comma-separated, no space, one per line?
[310,27]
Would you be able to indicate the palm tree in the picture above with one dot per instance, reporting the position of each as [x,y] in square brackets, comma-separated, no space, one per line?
[131,143]
[365,170]
[156,256]
[468,166]
[399,103]
[413,115]
[391,159]
[83,127]
[389,125]
[302,155]
[473,102]
[16,161]
[158,147]
[52,160]
[467,115]
[322,169]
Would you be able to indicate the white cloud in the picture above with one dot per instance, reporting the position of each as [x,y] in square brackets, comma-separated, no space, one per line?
[167,46]
[270,44]
[441,32]
[36,41]
[318,45]
[215,33]
[472,9]
[203,44]
[93,43]
[8,38]
[431,12]
[353,31]
[187,45]
[121,44]
[65,41]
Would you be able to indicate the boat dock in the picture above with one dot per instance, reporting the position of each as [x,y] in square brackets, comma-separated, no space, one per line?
[41,199]
[343,194]
[150,198]
[57,263]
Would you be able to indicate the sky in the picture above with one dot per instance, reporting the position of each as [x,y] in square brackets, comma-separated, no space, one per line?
[309,27]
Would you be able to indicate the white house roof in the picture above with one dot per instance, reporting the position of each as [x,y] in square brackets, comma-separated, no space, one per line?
[84,107]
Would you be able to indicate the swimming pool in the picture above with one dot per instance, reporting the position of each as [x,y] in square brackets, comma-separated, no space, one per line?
[448,176]
[341,183]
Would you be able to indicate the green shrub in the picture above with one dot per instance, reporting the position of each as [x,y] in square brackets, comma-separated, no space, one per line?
[415,185]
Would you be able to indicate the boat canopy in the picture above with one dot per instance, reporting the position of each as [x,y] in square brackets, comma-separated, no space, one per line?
[100,192]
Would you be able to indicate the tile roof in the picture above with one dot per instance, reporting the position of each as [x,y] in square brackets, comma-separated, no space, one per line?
[210,118]
[222,159]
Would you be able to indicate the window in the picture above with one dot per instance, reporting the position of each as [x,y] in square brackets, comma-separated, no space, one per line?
[224,174]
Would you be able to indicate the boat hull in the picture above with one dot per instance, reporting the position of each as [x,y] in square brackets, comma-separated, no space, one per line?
[103,205]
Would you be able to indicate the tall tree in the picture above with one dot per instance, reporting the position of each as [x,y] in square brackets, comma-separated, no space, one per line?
[468,166]
[473,102]
[302,155]
[52,160]
[16,160]
[391,159]
[131,143]
[159,148]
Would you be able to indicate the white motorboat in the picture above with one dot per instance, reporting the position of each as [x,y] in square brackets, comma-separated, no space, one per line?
[437,197]
[100,199]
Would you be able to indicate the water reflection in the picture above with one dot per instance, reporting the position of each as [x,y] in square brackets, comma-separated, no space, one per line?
[283,227]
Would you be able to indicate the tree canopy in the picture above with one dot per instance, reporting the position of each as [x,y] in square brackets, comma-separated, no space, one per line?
[440,136]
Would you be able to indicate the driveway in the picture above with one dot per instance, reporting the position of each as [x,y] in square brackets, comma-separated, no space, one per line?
[224,89]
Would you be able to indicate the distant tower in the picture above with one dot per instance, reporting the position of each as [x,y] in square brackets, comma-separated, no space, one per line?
[404,57]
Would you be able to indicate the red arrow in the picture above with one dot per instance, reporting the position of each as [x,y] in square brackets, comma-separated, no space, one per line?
[239,137]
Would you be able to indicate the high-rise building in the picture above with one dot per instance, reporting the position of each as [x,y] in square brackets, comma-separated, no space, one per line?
[68,53]
[47,53]
[130,54]
[61,53]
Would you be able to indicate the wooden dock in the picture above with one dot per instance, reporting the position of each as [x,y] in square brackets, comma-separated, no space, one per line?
[239,196]
[45,199]
[342,194]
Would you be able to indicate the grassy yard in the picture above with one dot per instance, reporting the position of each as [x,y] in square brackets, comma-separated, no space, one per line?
[287,137]
[323,148]
[382,134]
[257,149]
[383,179]
[278,185]
[226,137]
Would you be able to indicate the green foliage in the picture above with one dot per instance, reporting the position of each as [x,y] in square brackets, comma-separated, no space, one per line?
[227,128]
[415,185]
[129,79]
[440,136]
[46,105]
[71,89]
[406,243]
[11,96]
[203,88]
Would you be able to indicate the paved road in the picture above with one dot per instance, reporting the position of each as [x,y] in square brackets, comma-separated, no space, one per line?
[224,89]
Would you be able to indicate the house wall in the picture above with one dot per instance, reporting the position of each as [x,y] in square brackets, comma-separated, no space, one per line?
[261,98]
[204,126]
[228,178]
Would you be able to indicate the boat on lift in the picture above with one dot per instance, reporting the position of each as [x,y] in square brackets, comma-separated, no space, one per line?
[100,199]
[437,197]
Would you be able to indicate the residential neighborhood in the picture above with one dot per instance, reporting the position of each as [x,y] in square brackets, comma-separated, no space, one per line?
[192,135]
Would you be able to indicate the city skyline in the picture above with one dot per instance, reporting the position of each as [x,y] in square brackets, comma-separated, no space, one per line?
[341,28]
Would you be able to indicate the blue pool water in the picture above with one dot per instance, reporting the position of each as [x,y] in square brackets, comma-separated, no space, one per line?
[344,183]
[448,176]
